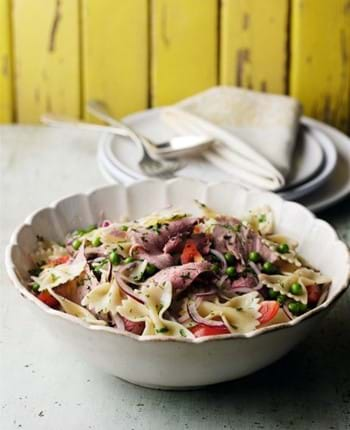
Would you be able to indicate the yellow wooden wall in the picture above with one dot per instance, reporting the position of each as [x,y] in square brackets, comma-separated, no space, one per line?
[6,75]
[134,54]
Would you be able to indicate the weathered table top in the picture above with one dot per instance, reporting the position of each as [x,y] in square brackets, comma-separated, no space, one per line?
[42,388]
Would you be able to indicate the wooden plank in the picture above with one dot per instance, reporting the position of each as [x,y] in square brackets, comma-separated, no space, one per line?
[320,54]
[47,58]
[253,43]
[184,48]
[115,41]
[6,90]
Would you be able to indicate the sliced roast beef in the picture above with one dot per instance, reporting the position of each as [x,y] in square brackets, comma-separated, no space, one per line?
[240,241]
[227,239]
[133,327]
[155,243]
[174,244]
[177,243]
[254,243]
[249,281]
[181,277]
[202,243]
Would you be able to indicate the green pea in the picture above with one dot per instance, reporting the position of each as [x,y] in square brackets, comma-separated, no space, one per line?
[273,294]
[294,307]
[281,299]
[254,256]
[76,244]
[297,308]
[302,308]
[296,289]
[231,272]
[150,269]
[269,268]
[129,260]
[96,242]
[35,287]
[230,259]
[283,248]
[215,268]
[114,258]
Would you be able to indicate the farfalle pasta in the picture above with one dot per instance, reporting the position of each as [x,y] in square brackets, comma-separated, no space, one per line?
[177,275]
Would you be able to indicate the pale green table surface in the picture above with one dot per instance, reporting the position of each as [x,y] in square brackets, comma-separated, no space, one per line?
[43,388]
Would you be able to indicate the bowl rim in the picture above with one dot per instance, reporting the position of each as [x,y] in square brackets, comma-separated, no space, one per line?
[25,293]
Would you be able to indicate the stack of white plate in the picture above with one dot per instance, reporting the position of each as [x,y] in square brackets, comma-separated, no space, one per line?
[320,175]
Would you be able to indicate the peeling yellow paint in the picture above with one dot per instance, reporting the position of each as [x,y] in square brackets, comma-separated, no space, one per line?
[254,44]
[184,48]
[47,58]
[320,59]
[6,99]
[115,41]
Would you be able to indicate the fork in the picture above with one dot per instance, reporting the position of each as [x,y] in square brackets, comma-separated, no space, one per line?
[148,163]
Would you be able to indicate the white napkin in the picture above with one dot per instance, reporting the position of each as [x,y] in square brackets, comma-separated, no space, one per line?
[256,132]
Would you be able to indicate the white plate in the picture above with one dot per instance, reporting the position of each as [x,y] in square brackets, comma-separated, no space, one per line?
[126,169]
[308,159]
[338,185]
[330,161]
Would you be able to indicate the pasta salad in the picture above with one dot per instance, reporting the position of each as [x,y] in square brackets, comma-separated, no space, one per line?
[173,274]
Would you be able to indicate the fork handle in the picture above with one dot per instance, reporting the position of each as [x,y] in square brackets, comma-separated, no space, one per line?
[99,110]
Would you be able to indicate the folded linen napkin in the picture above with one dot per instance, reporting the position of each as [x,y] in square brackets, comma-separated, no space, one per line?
[255,132]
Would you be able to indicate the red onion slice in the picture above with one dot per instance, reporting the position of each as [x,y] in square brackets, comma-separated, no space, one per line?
[210,292]
[222,280]
[254,267]
[127,289]
[219,256]
[323,295]
[192,310]
[185,316]
[242,290]
[118,321]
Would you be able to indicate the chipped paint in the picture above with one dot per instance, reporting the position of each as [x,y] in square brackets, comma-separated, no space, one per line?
[320,59]
[54,27]
[253,44]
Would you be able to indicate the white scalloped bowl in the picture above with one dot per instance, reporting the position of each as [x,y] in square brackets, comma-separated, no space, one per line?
[178,363]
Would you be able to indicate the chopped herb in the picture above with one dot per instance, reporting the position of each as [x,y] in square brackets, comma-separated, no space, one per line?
[162,330]
[98,267]
[39,238]
[124,228]
[177,217]
[262,218]
[235,228]
[202,205]
[182,332]
[35,272]
[234,327]
[185,276]
[157,227]
[54,278]
[239,309]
